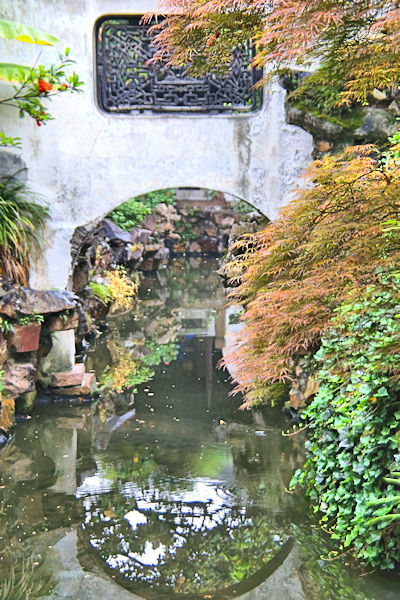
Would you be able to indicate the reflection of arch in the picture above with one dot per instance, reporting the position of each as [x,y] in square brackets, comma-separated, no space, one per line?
[90,558]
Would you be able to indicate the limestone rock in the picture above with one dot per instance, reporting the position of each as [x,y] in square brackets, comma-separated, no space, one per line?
[149,264]
[80,277]
[377,126]
[113,232]
[211,230]
[162,253]
[195,248]
[58,323]
[319,129]
[139,235]
[312,388]
[209,245]
[218,217]
[27,301]
[227,222]
[68,378]
[324,146]
[152,248]
[149,222]
[296,399]
[166,211]
[3,349]
[135,253]
[19,377]
[394,108]
[378,95]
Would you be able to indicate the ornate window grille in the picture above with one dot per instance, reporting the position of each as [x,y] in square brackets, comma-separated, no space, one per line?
[126,85]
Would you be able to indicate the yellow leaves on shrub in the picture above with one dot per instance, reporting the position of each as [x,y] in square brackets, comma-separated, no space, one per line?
[121,288]
[117,376]
[7,413]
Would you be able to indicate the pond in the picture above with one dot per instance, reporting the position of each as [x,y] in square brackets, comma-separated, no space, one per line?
[162,488]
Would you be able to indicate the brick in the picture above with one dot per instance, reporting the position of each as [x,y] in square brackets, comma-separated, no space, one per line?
[24,338]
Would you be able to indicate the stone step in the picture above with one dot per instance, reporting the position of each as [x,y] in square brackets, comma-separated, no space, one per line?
[69,378]
[84,389]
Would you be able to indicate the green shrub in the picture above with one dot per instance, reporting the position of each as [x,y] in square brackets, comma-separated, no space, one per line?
[133,212]
[100,291]
[20,219]
[353,422]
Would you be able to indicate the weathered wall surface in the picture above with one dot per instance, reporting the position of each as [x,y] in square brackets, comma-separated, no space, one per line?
[85,163]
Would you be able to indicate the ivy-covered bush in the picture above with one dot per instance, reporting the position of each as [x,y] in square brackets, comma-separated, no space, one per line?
[354,424]
[133,212]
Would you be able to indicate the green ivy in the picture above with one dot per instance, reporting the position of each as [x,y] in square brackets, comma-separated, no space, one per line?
[353,422]
[134,211]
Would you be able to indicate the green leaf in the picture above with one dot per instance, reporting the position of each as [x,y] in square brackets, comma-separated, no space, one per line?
[14,72]
[11,30]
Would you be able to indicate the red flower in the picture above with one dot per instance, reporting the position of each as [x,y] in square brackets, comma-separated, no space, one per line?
[44,86]
[64,86]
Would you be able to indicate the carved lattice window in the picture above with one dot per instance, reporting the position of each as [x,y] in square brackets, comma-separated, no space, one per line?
[125,84]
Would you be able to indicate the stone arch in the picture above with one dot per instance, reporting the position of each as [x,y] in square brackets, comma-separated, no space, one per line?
[85,162]
[83,232]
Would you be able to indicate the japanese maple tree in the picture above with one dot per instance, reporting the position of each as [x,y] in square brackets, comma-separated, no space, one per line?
[356,42]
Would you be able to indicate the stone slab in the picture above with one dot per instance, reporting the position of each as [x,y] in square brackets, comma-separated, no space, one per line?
[84,389]
[69,378]
[28,301]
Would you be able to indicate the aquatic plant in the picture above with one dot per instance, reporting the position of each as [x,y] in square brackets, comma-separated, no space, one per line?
[22,583]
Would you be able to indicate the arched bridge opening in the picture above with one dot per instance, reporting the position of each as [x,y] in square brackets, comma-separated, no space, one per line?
[143,232]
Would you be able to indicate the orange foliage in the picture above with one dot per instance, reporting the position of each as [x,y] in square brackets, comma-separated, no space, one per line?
[326,246]
[359,40]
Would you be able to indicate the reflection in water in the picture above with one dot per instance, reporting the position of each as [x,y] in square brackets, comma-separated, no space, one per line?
[171,489]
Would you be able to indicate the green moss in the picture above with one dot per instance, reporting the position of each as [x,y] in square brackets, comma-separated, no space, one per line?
[349,121]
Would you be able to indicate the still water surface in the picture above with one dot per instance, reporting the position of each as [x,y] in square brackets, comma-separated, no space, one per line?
[162,488]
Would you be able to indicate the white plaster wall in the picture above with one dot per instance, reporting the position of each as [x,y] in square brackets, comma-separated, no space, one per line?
[85,163]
